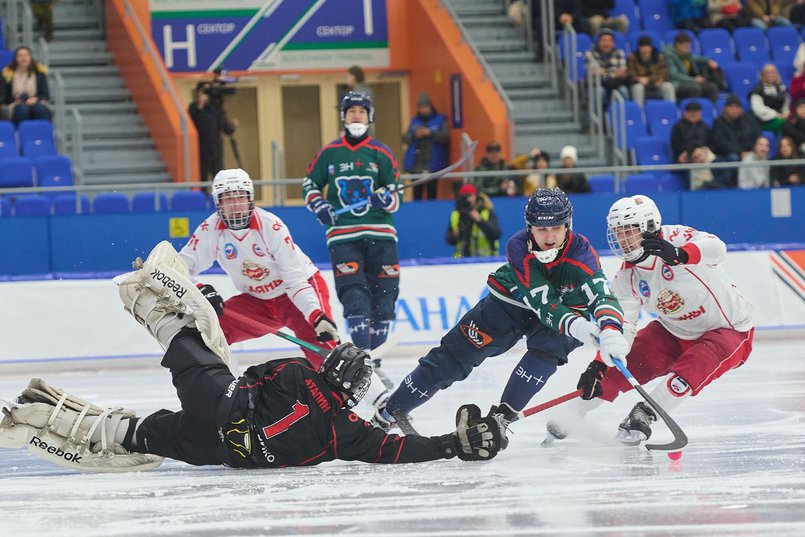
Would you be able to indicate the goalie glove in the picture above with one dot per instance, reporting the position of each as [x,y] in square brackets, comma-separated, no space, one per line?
[475,438]
[324,326]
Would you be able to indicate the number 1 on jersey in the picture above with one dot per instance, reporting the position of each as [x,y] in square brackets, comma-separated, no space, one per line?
[300,410]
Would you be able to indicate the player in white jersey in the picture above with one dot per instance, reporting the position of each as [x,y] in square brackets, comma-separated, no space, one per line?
[703,327]
[279,285]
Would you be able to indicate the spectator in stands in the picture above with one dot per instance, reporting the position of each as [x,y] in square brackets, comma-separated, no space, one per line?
[752,175]
[692,75]
[589,16]
[538,160]
[769,100]
[689,133]
[495,186]
[474,228]
[690,14]
[765,13]
[610,62]
[703,178]
[43,13]
[25,87]
[791,175]
[209,116]
[571,182]
[797,14]
[734,134]
[727,14]
[356,81]
[428,141]
[794,126]
[648,76]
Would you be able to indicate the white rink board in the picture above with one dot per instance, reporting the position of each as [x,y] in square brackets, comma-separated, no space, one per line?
[83,320]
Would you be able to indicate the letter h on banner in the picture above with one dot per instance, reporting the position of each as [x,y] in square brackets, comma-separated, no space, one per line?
[171,45]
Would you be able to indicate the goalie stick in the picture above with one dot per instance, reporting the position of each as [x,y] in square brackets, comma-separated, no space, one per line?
[680,439]
[424,179]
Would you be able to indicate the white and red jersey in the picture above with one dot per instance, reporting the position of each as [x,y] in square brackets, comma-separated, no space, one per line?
[262,260]
[689,299]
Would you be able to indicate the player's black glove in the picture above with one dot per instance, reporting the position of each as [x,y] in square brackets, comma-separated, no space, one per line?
[590,380]
[653,244]
[213,297]
[475,438]
[382,199]
[323,210]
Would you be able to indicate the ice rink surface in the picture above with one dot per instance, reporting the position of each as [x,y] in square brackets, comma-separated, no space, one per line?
[742,474]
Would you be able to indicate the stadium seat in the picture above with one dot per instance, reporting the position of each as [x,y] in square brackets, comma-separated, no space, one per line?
[8,140]
[716,43]
[635,124]
[583,44]
[757,56]
[628,8]
[145,202]
[634,37]
[17,172]
[673,182]
[783,42]
[656,15]
[6,56]
[662,112]
[32,130]
[783,54]
[32,205]
[708,109]
[621,42]
[651,150]
[786,70]
[34,149]
[66,204]
[742,78]
[5,207]
[641,183]
[601,183]
[670,35]
[772,138]
[111,203]
[188,200]
[54,170]
[751,38]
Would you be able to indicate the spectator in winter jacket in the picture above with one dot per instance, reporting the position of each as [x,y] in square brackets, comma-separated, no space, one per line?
[610,63]
[689,133]
[473,228]
[648,77]
[25,87]
[765,13]
[495,186]
[571,182]
[690,14]
[589,16]
[752,175]
[692,75]
[727,14]
[734,134]
[794,126]
[428,141]
[769,100]
[791,175]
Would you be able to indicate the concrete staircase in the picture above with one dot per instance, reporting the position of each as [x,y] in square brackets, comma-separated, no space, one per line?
[116,143]
[542,117]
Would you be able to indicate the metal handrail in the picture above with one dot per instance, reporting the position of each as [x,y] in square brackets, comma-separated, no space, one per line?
[43,51]
[166,84]
[77,145]
[27,23]
[57,94]
[618,103]
[488,73]
[571,78]
[277,171]
[549,42]
[595,108]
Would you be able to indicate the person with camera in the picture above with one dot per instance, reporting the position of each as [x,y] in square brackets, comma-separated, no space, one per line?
[25,87]
[209,116]
[474,228]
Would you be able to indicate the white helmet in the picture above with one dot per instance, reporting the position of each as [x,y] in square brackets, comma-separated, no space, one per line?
[638,211]
[232,184]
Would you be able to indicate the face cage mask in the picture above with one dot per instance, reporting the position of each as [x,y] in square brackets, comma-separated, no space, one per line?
[356,130]
[357,393]
[632,251]
[235,220]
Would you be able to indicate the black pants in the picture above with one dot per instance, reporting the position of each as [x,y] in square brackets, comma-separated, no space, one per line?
[211,159]
[201,380]
[371,286]
[426,190]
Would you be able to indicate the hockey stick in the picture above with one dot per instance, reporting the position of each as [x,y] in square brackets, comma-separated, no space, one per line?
[424,179]
[680,439]
[548,404]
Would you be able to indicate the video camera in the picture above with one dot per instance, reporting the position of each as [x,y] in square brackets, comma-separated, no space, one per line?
[217,88]
[463,204]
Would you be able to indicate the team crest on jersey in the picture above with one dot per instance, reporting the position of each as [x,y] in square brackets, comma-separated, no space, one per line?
[354,189]
[230,251]
[258,250]
[644,288]
[331,169]
[345,269]
[677,386]
[475,336]
[253,271]
[669,302]
[389,271]
[667,273]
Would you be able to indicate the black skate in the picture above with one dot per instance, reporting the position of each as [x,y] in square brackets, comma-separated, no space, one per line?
[504,415]
[636,428]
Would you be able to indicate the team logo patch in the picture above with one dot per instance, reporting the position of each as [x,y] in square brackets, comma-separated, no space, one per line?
[691,314]
[389,271]
[667,273]
[253,271]
[354,189]
[346,269]
[331,169]
[258,250]
[677,386]
[230,251]
[475,336]
[669,302]
[644,288]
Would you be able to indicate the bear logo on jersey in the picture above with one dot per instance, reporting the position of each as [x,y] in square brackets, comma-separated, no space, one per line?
[230,251]
[252,270]
[669,302]
[354,189]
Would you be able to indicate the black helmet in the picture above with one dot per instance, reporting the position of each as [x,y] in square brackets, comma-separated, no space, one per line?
[549,207]
[357,98]
[348,369]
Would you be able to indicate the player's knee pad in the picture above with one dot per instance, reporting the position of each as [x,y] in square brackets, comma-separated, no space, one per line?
[356,301]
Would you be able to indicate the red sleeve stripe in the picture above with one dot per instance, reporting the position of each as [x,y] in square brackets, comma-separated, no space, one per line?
[313,162]
[399,450]
[496,284]
[600,312]
[578,264]
[694,253]
[380,449]
[313,458]
[335,442]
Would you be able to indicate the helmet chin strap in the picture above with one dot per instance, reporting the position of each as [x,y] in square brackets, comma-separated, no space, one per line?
[545,256]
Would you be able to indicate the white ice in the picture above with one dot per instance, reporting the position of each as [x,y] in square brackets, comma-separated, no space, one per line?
[742,474]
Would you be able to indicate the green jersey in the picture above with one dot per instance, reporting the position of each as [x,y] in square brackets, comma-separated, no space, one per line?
[351,174]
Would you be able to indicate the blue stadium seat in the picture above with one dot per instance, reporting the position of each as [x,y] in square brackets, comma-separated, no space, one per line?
[111,203]
[772,138]
[635,124]
[742,78]
[656,15]
[661,111]
[750,37]
[786,71]
[32,205]
[188,200]
[784,37]
[670,35]
[2,41]
[5,207]
[635,36]
[641,183]
[722,101]
[708,109]
[66,204]
[628,8]
[601,183]
[145,202]
[758,56]
[783,54]
[673,182]
[716,43]
[661,128]
[5,56]
[583,43]
[17,172]
[54,170]
[8,140]
[651,150]
[32,130]
[34,149]
[621,42]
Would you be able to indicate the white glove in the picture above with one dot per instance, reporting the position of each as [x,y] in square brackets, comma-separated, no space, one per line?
[324,326]
[584,330]
[613,345]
